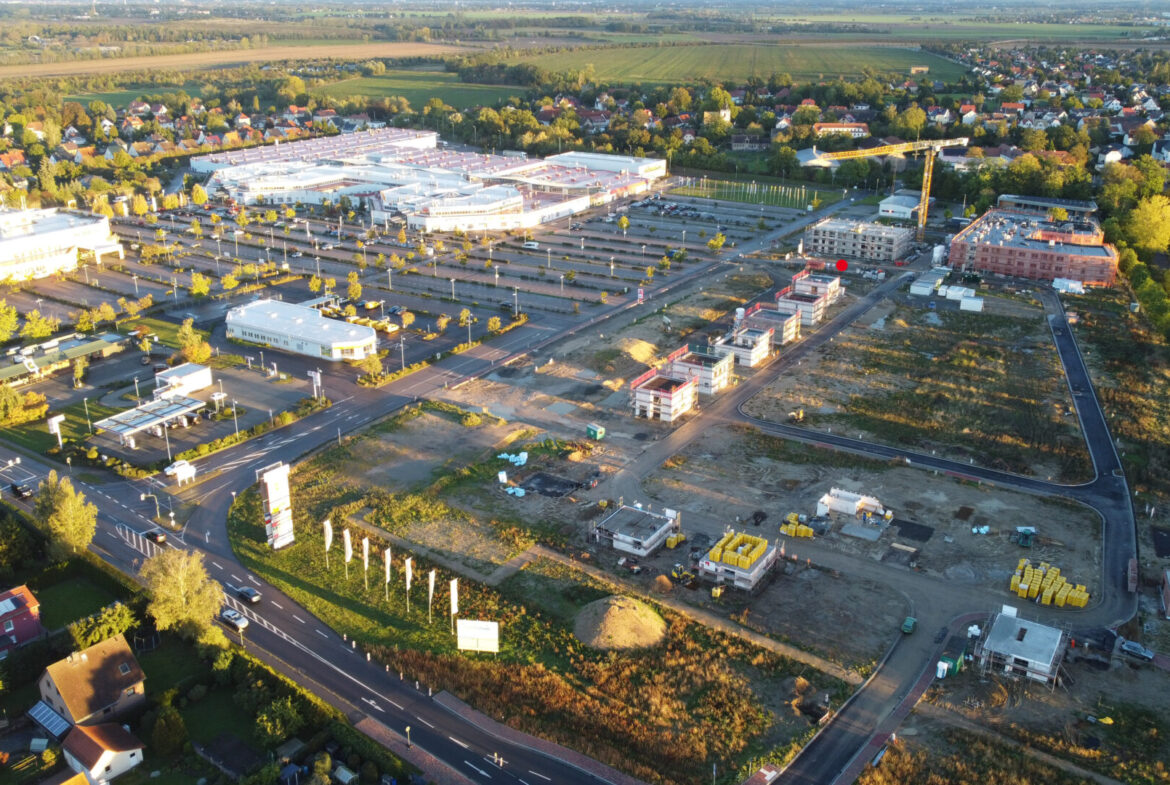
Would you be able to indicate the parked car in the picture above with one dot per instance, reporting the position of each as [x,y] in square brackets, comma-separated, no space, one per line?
[234,619]
[1135,649]
[909,625]
[22,490]
[248,594]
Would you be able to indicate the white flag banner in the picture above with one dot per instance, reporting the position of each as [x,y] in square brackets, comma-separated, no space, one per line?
[348,546]
[386,558]
[430,586]
[328,534]
[366,553]
[409,573]
[454,596]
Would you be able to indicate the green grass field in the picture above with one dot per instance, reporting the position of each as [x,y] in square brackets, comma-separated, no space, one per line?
[795,196]
[420,86]
[36,436]
[68,601]
[736,62]
[119,98]
[167,332]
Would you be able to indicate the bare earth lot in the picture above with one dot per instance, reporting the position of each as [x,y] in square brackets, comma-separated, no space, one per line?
[978,387]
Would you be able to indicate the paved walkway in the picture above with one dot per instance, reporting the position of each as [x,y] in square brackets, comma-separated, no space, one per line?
[511,567]
[433,769]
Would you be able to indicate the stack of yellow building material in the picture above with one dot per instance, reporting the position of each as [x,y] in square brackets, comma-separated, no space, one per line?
[675,540]
[796,530]
[1044,584]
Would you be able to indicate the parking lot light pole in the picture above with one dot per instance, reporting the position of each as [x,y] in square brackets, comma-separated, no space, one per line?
[548,256]
[562,283]
[389,279]
[515,302]
[235,419]
[643,250]
[402,351]
[135,278]
[611,267]
[452,288]
[496,270]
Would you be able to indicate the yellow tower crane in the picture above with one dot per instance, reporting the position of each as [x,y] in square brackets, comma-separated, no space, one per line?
[929,147]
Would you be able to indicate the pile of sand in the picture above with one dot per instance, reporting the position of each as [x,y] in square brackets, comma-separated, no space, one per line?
[641,351]
[619,623]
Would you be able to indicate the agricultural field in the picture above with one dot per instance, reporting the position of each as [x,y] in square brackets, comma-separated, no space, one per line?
[120,98]
[977,387]
[916,28]
[350,51]
[737,62]
[418,87]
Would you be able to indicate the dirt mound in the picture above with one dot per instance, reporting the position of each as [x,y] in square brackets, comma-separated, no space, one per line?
[662,584]
[619,623]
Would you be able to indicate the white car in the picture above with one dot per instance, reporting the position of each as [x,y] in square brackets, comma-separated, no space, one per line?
[234,619]
[175,467]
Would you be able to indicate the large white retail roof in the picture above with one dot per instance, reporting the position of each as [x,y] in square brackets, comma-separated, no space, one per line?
[298,321]
[15,224]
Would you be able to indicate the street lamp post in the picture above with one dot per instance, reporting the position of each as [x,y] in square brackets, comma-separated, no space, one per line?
[452,288]
[611,267]
[402,351]
[408,744]
[389,279]
[136,387]
[562,283]
[496,270]
[143,497]
[643,250]
[235,419]
[515,302]
[548,256]
[135,277]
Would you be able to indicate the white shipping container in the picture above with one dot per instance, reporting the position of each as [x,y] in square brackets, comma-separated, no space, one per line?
[971,304]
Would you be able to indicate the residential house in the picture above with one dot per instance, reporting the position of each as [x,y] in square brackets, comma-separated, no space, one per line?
[20,619]
[138,108]
[11,159]
[95,685]
[711,117]
[748,142]
[852,130]
[102,752]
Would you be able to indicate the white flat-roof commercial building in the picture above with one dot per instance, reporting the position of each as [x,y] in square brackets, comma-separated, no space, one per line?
[784,324]
[637,531]
[658,396]
[817,285]
[928,282]
[39,243]
[857,240]
[898,207]
[711,370]
[748,345]
[1021,649]
[182,380]
[435,189]
[300,330]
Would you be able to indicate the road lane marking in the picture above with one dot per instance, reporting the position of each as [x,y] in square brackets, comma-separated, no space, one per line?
[538,774]
[253,580]
[478,769]
[277,604]
[235,577]
[218,566]
[111,534]
[397,705]
[323,635]
[424,722]
[461,744]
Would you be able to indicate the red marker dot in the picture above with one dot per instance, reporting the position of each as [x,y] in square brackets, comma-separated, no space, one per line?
[842,265]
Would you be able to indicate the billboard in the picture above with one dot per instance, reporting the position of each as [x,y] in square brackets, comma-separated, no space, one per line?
[478,635]
[277,504]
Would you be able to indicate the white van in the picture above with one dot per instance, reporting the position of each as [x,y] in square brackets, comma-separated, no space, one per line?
[531,246]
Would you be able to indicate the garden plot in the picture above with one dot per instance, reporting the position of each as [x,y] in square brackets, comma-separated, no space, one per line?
[975,387]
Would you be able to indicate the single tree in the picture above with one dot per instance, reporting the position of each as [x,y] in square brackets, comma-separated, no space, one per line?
[183,596]
[8,321]
[493,324]
[198,195]
[407,319]
[69,519]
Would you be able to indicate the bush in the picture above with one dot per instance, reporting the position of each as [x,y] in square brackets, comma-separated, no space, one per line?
[197,693]
[170,732]
[369,773]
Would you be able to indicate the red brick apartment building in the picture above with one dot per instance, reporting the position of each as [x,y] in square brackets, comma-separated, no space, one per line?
[1029,246]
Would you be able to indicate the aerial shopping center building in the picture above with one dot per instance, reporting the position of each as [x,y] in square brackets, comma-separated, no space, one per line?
[398,171]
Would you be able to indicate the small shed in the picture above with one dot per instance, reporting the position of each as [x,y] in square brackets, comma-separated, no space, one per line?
[344,776]
[954,652]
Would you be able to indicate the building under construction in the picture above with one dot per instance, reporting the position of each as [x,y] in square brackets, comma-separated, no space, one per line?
[1022,649]
[738,559]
